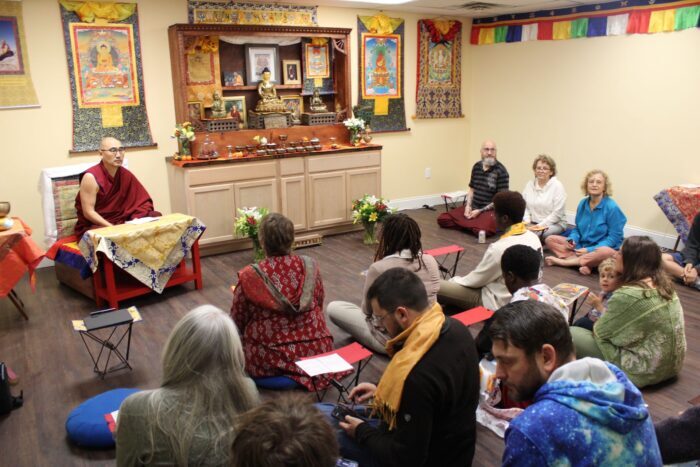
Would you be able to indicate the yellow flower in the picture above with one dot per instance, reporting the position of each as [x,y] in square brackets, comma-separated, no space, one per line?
[373,217]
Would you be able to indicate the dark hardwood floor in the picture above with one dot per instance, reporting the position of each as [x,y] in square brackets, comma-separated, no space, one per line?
[56,372]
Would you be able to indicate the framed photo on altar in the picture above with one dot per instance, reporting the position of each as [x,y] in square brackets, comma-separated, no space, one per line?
[195,114]
[292,71]
[317,61]
[237,103]
[294,104]
[257,58]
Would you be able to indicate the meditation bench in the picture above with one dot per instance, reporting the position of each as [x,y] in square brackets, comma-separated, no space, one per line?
[74,266]
[452,198]
[446,251]
[350,354]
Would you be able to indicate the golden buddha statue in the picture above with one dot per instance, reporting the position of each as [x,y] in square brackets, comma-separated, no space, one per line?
[269,102]
[316,105]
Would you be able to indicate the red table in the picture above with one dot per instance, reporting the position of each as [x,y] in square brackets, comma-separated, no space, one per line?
[19,254]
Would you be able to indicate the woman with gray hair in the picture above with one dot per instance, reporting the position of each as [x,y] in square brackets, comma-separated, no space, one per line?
[546,198]
[190,419]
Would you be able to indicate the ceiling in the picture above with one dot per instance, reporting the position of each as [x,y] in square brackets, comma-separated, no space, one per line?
[450,8]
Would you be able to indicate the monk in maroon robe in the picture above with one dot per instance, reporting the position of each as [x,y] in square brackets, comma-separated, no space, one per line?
[109,193]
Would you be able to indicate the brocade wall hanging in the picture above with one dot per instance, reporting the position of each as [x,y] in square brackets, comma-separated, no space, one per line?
[16,88]
[381,71]
[439,91]
[251,13]
[106,76]
[603,19]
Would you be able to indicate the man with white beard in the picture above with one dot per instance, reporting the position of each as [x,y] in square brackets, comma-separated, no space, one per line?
[488,177]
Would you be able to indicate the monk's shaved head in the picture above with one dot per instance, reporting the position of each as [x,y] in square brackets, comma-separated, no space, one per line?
[112,153]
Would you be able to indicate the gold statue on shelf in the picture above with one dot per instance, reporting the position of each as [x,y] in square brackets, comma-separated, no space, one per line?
[269,102]
[316,105]
[218,110]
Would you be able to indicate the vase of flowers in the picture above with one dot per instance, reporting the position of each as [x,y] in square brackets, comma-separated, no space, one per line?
[247,224]
[370,210]
[355,126]
[184,133]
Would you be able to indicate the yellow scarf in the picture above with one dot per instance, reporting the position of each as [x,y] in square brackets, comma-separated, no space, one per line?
[515,229]
[417,339]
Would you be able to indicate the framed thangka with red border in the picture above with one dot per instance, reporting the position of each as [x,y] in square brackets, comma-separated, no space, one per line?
[104,57]
[438,93]
[16,87]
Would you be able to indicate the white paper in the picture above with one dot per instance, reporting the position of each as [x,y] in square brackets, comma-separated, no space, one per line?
[332,363]
[114,415]
[142,220]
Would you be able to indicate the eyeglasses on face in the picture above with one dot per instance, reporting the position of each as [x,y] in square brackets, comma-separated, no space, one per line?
[378,321]
[114,151]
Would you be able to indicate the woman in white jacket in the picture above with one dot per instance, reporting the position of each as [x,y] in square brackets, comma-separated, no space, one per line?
[546,198]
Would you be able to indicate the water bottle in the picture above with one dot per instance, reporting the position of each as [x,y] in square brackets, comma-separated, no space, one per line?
[482,236]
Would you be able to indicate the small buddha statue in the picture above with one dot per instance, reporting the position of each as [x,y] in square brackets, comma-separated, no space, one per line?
[269,102]
[218,110]
[316,105]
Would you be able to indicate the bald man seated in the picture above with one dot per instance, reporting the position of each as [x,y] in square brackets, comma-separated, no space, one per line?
[109,193]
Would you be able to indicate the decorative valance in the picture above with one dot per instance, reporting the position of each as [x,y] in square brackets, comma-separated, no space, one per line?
[604,19]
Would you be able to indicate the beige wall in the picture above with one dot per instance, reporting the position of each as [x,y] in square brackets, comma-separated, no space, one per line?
[39,138]
[627,104]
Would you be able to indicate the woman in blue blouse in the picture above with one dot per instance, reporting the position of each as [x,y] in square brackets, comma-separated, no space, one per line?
[599,228]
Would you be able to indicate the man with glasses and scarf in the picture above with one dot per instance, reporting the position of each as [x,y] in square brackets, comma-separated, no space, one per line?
[109,193]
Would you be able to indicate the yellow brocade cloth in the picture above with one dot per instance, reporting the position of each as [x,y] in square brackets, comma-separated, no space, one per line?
[417,339]
[149,251]
[515,229]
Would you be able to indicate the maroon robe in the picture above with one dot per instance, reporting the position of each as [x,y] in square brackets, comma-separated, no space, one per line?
[119,199]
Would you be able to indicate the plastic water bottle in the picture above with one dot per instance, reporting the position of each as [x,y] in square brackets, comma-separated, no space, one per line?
[482,236]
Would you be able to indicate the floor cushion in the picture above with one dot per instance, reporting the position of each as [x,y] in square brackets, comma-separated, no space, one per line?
[86,424]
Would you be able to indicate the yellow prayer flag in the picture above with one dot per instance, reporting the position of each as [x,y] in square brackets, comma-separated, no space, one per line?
[662,21]
[561,30]
[487,36]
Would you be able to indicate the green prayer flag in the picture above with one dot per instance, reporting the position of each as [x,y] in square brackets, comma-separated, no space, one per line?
[687,17]
[579,28]
[500,34]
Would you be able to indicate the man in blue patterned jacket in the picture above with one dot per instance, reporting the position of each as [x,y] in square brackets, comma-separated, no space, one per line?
[584,412]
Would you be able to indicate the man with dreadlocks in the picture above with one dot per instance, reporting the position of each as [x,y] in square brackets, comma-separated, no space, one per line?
[399,246]
[426,399]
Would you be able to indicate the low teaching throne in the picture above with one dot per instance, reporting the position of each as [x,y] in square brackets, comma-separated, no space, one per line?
[121,262]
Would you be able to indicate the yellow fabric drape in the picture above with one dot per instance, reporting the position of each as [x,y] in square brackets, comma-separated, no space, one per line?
[443,25]
[88,12]
[319,41]
[417,339]
[112,116]
[662,21]
[381,24]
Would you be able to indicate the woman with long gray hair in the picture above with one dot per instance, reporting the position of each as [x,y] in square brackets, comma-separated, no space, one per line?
[190,419]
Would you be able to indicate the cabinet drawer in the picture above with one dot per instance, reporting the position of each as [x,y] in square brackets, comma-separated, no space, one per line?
[235,172]
[344,161]
[292,166]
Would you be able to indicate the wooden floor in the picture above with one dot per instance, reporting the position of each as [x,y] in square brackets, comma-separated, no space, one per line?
[56,372]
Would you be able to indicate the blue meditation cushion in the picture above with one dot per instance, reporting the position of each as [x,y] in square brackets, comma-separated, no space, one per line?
[86,424]
[276,383]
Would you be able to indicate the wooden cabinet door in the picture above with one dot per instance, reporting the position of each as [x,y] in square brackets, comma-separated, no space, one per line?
[293,197]
[362,182]
[257,193]
[213,205]
[328,202]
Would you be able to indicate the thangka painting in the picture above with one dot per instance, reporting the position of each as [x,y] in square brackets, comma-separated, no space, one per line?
[104,58]
[439,93]
[251,13]
[106,76]
[317,57]
[16,87]
[381,71]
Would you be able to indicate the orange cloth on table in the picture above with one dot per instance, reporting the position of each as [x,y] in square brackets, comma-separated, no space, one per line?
[19,254]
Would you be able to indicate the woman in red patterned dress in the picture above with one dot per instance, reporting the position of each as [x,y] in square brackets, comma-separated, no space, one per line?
[278,308]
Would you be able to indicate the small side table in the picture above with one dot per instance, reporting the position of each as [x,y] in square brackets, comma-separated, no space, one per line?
[108,319]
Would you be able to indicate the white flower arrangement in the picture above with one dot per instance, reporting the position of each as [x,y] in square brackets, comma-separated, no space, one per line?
[354,124]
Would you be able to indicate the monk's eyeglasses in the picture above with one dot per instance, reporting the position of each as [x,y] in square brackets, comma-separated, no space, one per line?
[114,151]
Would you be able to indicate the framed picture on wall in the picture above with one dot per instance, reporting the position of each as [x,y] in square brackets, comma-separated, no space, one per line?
[195,114]
[235,107]
[294,104]
[317,61]
[261,56]
[291,70]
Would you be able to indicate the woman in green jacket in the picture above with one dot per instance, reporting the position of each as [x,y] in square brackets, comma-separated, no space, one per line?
[642,331]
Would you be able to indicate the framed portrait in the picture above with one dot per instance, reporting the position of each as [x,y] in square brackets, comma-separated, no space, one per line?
[317,62]
[261,56]
[195,114]
[291,70]
[10,52]
[380,65]
[233,78]
[294,104]
[237,103]
[105,64]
